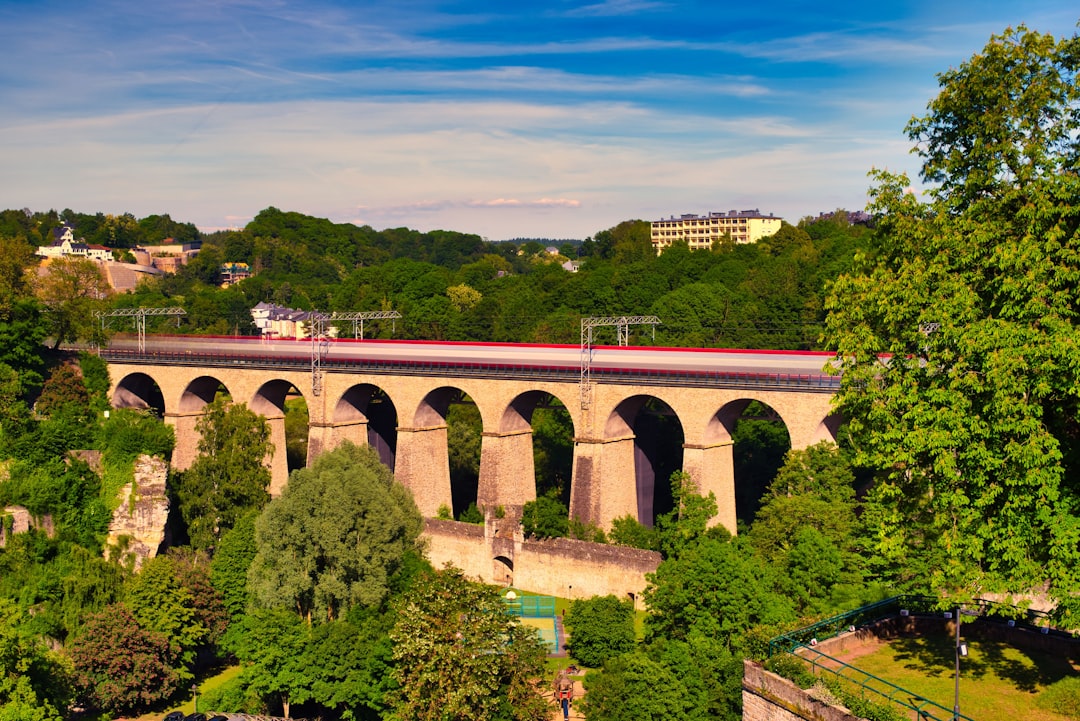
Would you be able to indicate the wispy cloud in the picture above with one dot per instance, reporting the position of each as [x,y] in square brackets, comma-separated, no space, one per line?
[550,120]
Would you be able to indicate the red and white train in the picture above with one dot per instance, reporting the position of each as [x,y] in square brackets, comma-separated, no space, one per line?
[807,366]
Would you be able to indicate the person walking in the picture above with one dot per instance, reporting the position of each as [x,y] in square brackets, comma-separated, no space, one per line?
[564,692]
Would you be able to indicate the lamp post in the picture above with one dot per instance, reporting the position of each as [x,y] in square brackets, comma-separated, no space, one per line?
[195,690]
[961,650]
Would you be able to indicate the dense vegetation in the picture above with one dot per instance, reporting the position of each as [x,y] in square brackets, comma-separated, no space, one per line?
[955,318]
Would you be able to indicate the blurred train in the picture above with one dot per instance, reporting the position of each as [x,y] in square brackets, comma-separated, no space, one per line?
[808,366]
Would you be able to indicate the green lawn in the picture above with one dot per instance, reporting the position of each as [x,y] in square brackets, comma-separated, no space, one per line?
[997,681]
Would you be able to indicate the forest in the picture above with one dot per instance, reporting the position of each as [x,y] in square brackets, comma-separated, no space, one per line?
[953,318]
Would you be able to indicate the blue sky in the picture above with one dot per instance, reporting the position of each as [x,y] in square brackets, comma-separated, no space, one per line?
[507,119]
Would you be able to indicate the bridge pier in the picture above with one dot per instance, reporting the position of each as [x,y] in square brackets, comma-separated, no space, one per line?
[507,473]
[187,438]
[423,466]
[712,467]
[277,460]
[326,436]
[604,484]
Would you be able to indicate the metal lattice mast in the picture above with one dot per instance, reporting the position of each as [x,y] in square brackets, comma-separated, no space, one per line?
[622,325]
[319,346]
[359,318]
[138,316]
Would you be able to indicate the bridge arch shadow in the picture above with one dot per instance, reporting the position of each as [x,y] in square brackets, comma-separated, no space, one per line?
[450,410]
[548,459]
[200,392]
[760,439]
[368,408]
[141,392]
[658,439]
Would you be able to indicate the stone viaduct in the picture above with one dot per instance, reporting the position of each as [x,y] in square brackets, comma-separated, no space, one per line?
[404,416]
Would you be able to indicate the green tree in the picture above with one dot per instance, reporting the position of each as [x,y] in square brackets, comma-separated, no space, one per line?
[600,628]
[715,587]
[161,604]
[334,537]
[971,420]
[228,572]
[634,687]
[229,476]
[272,650]
[459,655]
[34,686]
[72,289]
[545,517]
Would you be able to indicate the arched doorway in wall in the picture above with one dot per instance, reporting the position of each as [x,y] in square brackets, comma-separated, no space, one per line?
[280,398]
[464,432]
[658,451]
[760,440]
[141,392]
[371,406]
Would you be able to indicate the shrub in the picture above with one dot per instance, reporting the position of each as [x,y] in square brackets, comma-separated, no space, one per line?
[600,628]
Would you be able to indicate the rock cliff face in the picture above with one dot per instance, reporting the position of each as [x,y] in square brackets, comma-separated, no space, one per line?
[138,524]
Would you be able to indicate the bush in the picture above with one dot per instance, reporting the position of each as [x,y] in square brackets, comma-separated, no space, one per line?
[600,628]
[792,668]
[546,517]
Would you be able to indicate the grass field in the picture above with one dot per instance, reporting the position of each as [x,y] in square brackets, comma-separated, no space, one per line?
[997,681]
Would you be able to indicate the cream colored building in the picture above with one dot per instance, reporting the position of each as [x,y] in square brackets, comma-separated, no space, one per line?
[700,231]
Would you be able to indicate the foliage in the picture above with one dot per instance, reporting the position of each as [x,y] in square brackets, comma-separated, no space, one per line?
[971,422]
[192,571]
[229,476]
[472,514]
[72,289]
[690,517]
[229,568]
[715,587]
[634,687]
[128,433]
[22,333]
[272,649]
[628,531]
[760,441]
[159,603]
[807,527]
[120,666]
[95,375]
[334,537]
[459,655]
[34,684]
[792,668]
[64,390]
[600,628]
[545,517]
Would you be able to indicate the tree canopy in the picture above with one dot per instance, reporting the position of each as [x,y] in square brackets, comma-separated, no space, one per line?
[958,338]
[334,537]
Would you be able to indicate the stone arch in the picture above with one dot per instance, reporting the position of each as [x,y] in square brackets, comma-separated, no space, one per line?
[636,423]
[269,401]
[365,414]
[139,391]
[432,414]
[747,488]
[508,475]
[503,570]
[195,396]
[200,392]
